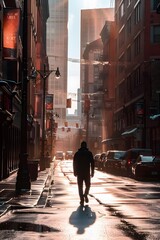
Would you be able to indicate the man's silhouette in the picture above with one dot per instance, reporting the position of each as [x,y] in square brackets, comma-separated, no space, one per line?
[83,168]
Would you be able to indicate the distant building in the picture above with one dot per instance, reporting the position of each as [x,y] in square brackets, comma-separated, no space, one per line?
[92,21]
[91,49]
[93,94]
[57,51]
[108,76]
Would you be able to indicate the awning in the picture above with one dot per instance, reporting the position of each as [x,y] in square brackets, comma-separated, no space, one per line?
[129,132]
[106,140]
[153,117]
[109,139]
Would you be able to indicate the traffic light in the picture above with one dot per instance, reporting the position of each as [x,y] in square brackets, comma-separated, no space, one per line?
[66,124]
[69,103]
[69,129]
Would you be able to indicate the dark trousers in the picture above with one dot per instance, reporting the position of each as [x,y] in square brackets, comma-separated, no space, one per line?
[87,181]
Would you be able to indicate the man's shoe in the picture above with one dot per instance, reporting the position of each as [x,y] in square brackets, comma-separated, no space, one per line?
[82,202]
[86,198]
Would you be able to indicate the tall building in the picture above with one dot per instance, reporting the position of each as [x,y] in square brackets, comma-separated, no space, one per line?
[108,76]
[92,22]
[57,51]
[20,112]
[93,102]
[136,115]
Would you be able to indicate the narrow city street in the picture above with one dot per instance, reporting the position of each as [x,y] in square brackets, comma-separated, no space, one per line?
[79,83]
[119,208]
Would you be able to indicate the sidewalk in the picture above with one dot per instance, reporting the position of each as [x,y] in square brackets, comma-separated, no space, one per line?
[8,198]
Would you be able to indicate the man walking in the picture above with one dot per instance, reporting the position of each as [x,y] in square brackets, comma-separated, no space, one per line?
[83,169]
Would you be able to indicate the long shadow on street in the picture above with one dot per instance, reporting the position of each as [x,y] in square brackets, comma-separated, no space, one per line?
[82,218]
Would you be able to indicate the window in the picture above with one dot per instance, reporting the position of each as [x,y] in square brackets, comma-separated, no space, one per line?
[129,85]
[129,26]
[155,34]
[129,54]
[134,80]
[96,73]
[137,12]
[121,37]
[137,42]
[122,90]
[154,4]
[137,78]
[121,63]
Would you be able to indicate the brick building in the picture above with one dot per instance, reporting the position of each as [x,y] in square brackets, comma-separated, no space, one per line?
[137,72]
[11,75]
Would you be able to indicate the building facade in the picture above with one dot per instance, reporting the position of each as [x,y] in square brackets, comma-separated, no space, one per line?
[108,76]
[130,77]
[57,49]
[137,71]
[12,79]
[93,95]
[92,22]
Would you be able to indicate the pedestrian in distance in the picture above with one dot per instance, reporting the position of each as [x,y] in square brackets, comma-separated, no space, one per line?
[83,169]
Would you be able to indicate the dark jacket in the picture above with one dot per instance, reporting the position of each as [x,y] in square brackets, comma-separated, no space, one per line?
[83,163]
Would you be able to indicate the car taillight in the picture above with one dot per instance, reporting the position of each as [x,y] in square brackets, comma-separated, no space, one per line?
[129,161]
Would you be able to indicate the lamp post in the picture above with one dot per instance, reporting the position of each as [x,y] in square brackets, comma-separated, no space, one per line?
[23,182]
[44,75]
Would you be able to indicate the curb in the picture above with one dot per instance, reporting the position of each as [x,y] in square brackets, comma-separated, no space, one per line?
[11,203]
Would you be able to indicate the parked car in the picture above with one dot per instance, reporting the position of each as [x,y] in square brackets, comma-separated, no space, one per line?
[130,157]
[59,155]
[102,160]
[113,161]
[96,159]
[146,167]
[69,155]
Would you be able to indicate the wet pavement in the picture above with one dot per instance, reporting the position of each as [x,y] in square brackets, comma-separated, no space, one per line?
[61,217]
[51,210]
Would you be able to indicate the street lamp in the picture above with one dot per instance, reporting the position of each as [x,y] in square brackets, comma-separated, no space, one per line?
[44,75]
